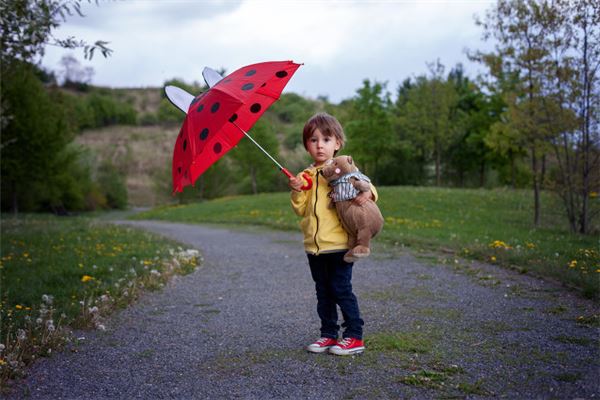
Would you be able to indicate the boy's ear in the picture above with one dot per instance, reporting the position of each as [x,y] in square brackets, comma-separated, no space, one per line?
[349,158]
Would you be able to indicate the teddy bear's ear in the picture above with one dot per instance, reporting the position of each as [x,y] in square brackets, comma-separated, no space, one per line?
[349,158]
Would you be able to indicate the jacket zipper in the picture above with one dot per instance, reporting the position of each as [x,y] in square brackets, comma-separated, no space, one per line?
[315,210]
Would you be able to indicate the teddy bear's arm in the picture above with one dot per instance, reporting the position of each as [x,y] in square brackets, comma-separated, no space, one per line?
[360,185]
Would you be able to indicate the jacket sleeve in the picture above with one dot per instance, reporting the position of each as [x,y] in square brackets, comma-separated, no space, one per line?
[299,200]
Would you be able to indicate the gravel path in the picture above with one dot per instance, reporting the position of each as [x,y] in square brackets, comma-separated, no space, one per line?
[236,328]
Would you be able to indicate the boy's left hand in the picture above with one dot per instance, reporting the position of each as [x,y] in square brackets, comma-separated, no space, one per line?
[362,198]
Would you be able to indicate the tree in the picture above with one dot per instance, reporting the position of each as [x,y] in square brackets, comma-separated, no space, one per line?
[520,37]
[573,89]
[32,139]
[468,151]
[73,72]
[371,139]
[26,28]
[35,134]
[552,49]
[260,171]
[427,116]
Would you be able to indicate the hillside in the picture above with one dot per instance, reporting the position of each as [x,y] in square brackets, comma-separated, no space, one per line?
[143,152]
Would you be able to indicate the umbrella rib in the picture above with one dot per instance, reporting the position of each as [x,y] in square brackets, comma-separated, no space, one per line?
[258,145]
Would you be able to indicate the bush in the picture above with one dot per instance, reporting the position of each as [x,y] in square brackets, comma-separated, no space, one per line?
[108,111]
[112,185]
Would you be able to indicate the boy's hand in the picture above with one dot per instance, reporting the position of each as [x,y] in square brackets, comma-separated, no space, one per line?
[295,184]
[362,198]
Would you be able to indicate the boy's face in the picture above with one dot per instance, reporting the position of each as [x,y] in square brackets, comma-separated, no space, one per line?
[321,148]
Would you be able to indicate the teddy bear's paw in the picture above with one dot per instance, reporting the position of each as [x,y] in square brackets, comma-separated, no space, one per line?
[361,252]
[349,257]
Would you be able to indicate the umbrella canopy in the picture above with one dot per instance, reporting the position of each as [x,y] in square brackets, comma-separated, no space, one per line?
[215,119]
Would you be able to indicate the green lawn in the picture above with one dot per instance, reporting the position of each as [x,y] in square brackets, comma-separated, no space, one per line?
[57,272]
[491,225]
[50,255]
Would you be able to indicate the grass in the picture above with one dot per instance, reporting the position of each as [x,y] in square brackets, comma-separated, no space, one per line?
[57,273]
[490,225]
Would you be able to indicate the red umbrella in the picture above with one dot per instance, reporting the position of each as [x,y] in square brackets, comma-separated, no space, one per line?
[218,118]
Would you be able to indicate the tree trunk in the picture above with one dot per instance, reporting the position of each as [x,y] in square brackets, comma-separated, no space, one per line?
[536,188]
[543,173]
[438,162]
[15,199]
[482,174]
[513,173]
[253,180]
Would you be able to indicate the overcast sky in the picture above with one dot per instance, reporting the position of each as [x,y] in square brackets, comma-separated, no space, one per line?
[341,43]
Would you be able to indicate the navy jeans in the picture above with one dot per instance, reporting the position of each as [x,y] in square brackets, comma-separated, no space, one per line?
[333,283]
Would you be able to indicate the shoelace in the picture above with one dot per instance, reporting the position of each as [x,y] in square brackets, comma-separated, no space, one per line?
[322,340]
[346,342]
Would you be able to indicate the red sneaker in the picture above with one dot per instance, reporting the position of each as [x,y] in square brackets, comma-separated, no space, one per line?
[348,346]
[321,345]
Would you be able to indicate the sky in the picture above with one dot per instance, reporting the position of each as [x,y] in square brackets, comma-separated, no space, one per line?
[339,43]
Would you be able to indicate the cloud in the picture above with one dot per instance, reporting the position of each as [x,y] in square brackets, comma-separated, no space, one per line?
[340,42]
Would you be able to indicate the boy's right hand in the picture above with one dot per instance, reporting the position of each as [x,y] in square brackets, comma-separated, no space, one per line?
[295,184]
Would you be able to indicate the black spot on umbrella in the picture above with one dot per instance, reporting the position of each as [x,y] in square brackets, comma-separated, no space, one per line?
[248,86]
[281,74]
[179,170]
[200,107]
[255,108]
[233,118]
[251,72]
[204,134]
[184,144]
[264,84]
[215,107]
[218,148]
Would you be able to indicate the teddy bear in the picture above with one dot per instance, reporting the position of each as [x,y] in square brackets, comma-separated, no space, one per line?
[361,222]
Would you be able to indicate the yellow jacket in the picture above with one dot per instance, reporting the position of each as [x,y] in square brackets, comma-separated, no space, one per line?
[322,228]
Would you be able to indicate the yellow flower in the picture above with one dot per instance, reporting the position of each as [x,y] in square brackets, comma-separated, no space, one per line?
[530,245]
[573,264]
[19,307]
[493,258]
[593,195]
[496,244]
[86,278]
[2,362]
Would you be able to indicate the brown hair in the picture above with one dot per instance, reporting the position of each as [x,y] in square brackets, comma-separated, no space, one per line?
[327,124]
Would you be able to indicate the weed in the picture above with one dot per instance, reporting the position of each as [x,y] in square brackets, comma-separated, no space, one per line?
[569,377]
[573,340]
[409,342]
[474,388]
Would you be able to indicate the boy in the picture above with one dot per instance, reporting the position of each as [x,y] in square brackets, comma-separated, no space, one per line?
[326,242]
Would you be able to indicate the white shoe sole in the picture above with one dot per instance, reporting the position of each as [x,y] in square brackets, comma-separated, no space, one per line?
[339,352]
[317,350]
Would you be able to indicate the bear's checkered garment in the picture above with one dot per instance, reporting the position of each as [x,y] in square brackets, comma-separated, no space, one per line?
[343,189]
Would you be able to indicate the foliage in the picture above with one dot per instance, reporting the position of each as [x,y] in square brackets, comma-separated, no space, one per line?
[33,138]
[112,184]
[259,172]
[26,28]
[426,117]
[371,140]
[545,66]
[105,110]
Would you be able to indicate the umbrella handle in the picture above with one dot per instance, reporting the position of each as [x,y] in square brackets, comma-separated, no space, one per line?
[304,175]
